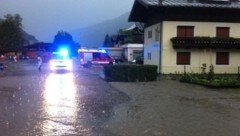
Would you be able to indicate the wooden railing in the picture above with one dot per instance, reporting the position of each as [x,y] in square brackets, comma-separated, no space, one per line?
[205,42]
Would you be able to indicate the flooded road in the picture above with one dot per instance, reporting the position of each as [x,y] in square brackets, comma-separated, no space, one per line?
[80,103]
[56,103]
[172,108]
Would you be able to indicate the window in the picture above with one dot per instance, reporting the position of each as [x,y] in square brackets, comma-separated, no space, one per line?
[222,58]
[105,55]
[222,32]
[96,55]
[185,31]
[149,34]
[183,58]
[149,56]
[137,54]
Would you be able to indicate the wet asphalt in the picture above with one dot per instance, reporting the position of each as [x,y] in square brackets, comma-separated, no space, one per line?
[49,103]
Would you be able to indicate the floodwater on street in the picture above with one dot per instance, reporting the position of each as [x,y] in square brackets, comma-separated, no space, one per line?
[55,103]
[172,108]
[80,103]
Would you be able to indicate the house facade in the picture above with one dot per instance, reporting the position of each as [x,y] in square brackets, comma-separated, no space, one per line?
[127,44]
[183,35]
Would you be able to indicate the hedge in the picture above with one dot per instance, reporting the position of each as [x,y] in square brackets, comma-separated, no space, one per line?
[130,73]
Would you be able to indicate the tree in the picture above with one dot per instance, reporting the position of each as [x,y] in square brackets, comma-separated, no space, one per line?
[62,38]
[107,41]
[11,38]
[65,39]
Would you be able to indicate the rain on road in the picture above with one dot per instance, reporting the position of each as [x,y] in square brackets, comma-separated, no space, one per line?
[50,103]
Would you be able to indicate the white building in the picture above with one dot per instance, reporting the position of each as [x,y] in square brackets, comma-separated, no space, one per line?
[182,34]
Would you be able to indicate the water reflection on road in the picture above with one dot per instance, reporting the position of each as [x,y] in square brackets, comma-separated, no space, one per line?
[56,103]
[60,104]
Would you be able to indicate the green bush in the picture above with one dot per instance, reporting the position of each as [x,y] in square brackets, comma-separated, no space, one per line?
[130,73]
[216,82]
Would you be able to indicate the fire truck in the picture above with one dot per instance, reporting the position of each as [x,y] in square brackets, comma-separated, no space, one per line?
[89,57]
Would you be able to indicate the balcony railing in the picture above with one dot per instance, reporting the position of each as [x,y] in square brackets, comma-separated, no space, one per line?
[205,42]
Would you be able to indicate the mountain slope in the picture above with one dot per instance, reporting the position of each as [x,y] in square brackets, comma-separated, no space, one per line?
[29,38]
[93,36]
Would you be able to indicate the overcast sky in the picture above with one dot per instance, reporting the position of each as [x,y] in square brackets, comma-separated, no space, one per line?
[43,18]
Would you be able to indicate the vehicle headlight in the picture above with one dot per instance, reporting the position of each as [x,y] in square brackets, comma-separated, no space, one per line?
[52,65]
[69,64]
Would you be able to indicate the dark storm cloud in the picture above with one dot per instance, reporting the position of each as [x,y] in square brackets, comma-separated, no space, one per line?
[43,18]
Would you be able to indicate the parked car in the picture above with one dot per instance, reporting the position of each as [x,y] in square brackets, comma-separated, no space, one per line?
[138,60]
[118,59]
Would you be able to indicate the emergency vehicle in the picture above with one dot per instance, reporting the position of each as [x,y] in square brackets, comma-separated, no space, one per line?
[89,57]
[61,60]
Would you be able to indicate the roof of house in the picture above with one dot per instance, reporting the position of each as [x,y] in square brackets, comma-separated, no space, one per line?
[131,27]
[132,45]
[193,3]
[208,10]
[138,25]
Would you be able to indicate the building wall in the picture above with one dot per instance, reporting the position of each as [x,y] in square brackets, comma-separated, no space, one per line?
[129,50]
[32,54]
[128,53]
[125,53]
[198,56]
[114,51]
[152,46]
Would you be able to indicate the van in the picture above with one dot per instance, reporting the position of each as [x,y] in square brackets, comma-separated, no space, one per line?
[61,61]
[89,57]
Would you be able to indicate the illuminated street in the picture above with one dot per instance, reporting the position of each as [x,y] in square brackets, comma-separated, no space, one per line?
[55,103]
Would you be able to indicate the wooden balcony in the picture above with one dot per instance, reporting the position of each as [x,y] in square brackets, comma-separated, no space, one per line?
[205,42]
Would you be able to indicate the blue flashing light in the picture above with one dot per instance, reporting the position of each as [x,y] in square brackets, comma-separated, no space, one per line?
[103,51]
[63,52]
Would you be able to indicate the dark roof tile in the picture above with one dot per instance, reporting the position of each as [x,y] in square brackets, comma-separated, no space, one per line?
[194,3]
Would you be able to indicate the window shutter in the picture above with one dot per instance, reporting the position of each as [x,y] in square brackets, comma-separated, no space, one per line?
[180,32]
[185,31]
[222,32]
[222,58]
[183,58]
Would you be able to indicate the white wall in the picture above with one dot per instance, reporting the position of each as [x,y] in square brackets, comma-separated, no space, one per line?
[129,48]
[152,46]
